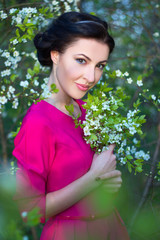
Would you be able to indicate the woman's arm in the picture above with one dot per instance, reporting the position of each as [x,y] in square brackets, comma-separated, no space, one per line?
[103,164]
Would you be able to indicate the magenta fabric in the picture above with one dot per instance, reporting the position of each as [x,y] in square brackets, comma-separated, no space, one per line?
[51,153]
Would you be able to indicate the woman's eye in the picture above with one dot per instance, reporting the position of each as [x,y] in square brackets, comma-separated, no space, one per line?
[101,66]
[80,60]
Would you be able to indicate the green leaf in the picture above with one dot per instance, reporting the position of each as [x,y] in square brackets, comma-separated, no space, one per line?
[129,157]
[70,109]
[93,137]
[13,77]
[129,165]
[30,31]
[31,72]
[33,217]
[53,88]
[17,33]
[139,77]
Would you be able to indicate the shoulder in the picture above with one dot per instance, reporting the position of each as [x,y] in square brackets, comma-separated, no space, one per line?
[39,114]
[37,121]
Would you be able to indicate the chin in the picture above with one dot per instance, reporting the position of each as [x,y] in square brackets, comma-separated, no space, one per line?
[79,96]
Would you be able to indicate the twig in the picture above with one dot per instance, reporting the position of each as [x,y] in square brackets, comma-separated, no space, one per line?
[34,234]
[24,4]
[149,181]
[3,141]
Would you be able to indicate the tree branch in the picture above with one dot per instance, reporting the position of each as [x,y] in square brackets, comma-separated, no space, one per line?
[4,142]
[150,179]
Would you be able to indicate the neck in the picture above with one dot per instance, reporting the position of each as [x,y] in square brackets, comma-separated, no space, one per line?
[60,99]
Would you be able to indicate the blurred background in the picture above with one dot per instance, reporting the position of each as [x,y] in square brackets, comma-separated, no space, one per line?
[135,26]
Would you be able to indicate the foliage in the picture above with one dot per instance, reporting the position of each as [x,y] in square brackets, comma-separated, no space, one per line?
[135,27]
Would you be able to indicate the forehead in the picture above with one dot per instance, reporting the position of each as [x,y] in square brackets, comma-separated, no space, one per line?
[92,48]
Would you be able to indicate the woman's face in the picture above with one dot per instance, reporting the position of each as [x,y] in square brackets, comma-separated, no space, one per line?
[80,67]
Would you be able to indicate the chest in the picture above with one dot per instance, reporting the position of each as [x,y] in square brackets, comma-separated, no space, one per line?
[72,158]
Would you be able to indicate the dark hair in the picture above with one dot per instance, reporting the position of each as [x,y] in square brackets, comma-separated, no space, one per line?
[66,29]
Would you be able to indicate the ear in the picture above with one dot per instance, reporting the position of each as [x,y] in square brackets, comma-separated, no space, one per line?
[55,56]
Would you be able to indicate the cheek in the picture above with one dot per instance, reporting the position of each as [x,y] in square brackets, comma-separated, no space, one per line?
[72,72]
[98,75]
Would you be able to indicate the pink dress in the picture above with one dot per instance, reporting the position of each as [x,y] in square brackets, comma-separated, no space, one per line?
[51,153]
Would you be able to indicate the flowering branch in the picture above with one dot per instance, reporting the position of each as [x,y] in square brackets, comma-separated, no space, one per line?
[150,179]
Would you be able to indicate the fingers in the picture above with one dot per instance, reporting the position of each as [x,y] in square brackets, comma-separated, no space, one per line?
[115,180]
[111,190]
[111,147]
[112,174]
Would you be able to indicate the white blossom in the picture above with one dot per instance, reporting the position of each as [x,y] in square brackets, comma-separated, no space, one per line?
[126,74]
[3,100]
[131,113]
[36,83]
[122,161]
[118,73]
[139,83]
[135,141]
[86,131]
[153,97]
[46,93]
[24,84]
[94,108]
[7,63]
[8,95]
[5,54]
[132,130]
[15,103]
[24,40]
[141,154]
[18,20]
[32,90]
[3,88]
[6,72]
[11,89]
[107,68]
[3,15]
[156,34]
[46,80]
[12,10]
[129,80]
[15,53]
[133,149]
[28,76]
[105,106]
[15,41]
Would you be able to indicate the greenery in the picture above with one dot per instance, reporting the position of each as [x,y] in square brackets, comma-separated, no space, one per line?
[133,71]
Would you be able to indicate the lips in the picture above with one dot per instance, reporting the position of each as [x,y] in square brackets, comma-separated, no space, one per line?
[82,87]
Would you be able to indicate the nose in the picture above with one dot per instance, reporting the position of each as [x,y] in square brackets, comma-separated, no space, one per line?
[90,74]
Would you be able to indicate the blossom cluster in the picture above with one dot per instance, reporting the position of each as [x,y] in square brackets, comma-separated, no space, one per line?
[26,83]
[107,122]
[139,83]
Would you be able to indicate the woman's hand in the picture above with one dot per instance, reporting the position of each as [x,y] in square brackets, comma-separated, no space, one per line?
[104,163]
[111,185]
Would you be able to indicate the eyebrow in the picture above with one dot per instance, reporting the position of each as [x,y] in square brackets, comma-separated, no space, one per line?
[89,58]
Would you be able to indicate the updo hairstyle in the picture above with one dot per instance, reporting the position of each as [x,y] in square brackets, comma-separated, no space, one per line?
[68,28]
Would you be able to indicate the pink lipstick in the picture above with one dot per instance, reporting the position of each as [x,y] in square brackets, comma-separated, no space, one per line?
[82,87]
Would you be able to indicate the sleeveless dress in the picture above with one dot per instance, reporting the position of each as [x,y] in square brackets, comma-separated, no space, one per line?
[51,153]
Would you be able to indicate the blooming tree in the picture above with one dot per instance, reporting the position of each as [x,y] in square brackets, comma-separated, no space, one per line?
[23,80]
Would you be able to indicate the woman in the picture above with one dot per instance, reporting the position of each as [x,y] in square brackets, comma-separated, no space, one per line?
[58,172]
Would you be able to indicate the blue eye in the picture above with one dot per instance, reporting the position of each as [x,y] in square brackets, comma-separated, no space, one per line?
[100,66]
[80,60]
